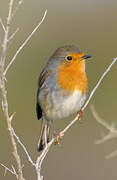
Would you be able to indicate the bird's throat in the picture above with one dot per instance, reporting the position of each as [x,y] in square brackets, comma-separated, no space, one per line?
[72,78]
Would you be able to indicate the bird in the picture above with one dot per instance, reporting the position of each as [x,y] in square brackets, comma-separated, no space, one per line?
[62,88]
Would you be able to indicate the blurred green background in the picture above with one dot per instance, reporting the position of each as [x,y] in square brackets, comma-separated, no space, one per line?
[92,26]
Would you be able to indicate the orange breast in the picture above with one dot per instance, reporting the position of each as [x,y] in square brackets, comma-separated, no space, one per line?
[73,77]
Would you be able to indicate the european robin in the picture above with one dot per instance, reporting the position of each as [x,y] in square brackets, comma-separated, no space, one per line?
[62,88]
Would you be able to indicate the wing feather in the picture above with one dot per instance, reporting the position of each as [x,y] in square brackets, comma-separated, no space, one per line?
[42,79]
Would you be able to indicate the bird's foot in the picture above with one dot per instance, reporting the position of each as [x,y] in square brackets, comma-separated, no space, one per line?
[58,138]
[80,113]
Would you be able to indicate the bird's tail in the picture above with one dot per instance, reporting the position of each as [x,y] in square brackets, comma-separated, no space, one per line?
[44,135]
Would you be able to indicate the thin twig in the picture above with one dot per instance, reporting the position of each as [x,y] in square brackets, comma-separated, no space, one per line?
[98,83]
[10,170]
[17,7]
[12,36]
[24,148]
[1,22]
[110,128]
[111,155]
[90,96]
[112,131]
[3,89]
[24,43]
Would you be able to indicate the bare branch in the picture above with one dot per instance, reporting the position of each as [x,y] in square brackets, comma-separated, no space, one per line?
[17,7]
[23,147]
[12,36]
[40,159]
[106,137]
[3,72]
[3,89]
[10,170]
[112,130]
[101,121]
[24,43]
[1,22]
[111,155]
[98,83]
[90,96]
[11,117]
[110,135]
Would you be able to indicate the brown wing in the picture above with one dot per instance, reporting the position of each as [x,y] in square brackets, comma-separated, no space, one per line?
[42,78]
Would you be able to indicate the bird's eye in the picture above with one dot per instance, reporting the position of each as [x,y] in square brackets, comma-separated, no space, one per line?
[69,58]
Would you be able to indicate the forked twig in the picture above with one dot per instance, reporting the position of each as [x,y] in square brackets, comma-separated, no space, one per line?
[19,175]
[1,22]
[17,7]
[38,164]
[24,43]
[3,89]
[10,170]
[112,131]
[12,36]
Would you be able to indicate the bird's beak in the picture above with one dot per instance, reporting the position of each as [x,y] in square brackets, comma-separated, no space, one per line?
[85,57]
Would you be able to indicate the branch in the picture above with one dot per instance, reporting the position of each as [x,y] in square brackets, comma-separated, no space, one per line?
[112,131]
[10,170]
[42,156]
[3,90]
[3,72]
[12,36]
[24,43]
[24,148]
[17,7]
[2,25]
[111,155]
[90,96]
[98,83]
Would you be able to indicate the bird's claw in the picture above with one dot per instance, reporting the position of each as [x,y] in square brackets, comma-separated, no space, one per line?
[80,113]
[58,138]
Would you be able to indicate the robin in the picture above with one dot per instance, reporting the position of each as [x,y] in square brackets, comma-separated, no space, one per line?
[62,88]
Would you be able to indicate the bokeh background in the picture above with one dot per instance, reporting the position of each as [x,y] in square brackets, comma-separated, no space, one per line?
[92,26]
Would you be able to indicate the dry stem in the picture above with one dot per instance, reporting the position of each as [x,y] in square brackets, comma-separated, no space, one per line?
[39,161]
[2,25]
[3,72]
[12,171]
[3,89]
[24,43]
[112,131]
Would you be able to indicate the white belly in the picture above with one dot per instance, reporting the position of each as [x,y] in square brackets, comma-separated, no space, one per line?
[73,103]
[64,106]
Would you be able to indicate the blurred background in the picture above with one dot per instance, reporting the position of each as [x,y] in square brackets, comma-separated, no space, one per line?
[92,26]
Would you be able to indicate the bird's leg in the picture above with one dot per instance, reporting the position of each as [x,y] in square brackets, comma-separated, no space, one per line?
[45,135]
[80,113]
[55,134]
[48,133]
